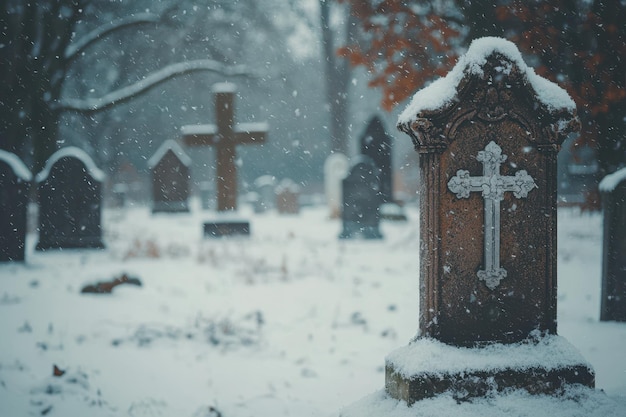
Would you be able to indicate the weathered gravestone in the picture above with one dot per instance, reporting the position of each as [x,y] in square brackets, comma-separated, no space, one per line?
[376,144]
[361,201]
[335,170]
[488,135]
[169,168]
[70,201]
[15,181]
[613,303]
[288,197]
[225,136]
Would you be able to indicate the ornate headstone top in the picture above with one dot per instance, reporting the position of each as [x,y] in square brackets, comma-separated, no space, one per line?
[483,84]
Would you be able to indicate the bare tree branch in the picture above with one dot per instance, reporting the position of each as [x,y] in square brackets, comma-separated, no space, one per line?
[76,48]
[95,105]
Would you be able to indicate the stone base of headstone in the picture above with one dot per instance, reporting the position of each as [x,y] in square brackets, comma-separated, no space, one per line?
[355,230]
[226,228]
[73,242]
[426,368]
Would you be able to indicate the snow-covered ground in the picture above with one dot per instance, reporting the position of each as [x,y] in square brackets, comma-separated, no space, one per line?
[289,322]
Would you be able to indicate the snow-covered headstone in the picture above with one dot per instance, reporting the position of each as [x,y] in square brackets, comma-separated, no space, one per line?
[613,304]
[361,201]
[170,171]
[488,135]
[225,135]
[336,168]
[15,179]
[70,201]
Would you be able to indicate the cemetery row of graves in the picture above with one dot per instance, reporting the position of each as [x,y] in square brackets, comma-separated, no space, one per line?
[488,135]
[69,189]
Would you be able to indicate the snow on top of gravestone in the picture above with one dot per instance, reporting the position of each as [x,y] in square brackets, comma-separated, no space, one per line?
[611,181]
[426,355]
[252,127]
[16,164]
[172,145]
[224,88]
[205,129]
[443,91]
[72,152]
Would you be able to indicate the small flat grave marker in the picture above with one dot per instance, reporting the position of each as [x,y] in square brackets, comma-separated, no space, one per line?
[224,228]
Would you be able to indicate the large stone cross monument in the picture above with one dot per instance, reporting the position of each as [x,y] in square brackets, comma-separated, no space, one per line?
[488,135]
[225,135]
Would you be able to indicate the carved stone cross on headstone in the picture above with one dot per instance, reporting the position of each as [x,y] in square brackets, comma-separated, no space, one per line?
[225,136]
[493,186]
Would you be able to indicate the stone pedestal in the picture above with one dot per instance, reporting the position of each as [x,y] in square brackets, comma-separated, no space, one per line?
[226,228]
[427,368]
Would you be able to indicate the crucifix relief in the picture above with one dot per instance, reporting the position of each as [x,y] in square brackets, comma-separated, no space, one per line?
[225,136]
[493,186]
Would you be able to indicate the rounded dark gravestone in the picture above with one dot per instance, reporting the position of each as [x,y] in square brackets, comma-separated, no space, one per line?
[15,181]
[361,201]
[70,202]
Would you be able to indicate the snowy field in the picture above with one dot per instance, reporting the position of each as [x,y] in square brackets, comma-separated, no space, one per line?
[290,322]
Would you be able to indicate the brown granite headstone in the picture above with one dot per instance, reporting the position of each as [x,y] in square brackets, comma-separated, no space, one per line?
[488,136]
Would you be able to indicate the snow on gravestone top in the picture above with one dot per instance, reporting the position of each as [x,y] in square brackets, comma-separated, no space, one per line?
[72,152]
[224,88]
[162,150]
[16,164]
[611,181]
[488,253]
[443,92]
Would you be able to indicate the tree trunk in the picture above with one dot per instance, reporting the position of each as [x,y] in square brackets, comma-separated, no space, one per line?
[337,80]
